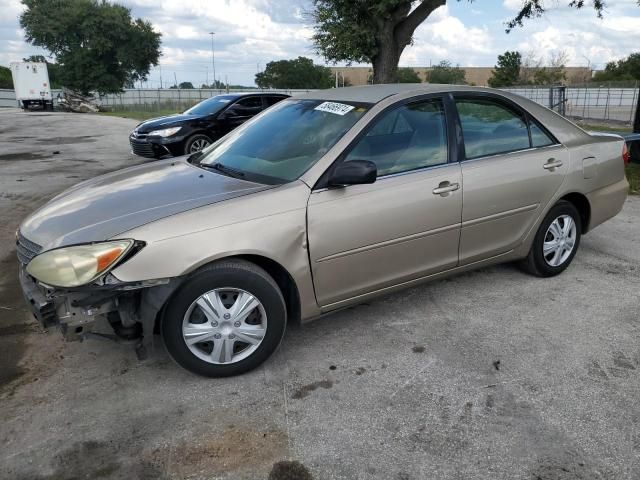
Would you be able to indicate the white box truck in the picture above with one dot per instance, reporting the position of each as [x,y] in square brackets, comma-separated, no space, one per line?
[31,84]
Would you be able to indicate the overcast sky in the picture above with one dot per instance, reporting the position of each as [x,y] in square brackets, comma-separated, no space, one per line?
[250,33]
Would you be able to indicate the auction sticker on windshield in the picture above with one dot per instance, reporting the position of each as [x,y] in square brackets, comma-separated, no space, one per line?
[333,107]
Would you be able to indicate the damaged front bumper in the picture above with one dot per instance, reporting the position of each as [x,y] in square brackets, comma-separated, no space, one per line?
[128,309]
[51,310]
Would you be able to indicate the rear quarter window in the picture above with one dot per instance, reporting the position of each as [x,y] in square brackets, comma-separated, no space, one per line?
[538,136]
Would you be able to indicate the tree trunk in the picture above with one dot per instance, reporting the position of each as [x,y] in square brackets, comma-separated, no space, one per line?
[395,34]
[385,65]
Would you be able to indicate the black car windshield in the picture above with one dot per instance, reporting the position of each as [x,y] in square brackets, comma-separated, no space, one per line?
[211,105]
[285,141]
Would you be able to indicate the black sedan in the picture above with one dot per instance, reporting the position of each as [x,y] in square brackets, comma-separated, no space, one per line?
[198,127]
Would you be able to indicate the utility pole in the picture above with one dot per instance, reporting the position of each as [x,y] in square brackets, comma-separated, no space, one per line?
[636,120]
[175,79]
[159,65]
[207,70]
[213,60]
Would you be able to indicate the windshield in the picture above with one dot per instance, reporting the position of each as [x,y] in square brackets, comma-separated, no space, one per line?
[285,141]
[211,105]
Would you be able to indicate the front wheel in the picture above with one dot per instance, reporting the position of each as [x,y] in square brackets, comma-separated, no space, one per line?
[556,241]
[196,143]
[225,320]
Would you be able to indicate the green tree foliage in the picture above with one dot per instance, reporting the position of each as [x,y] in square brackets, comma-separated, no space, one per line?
[186,85]
[507,70]
[97,45]
[444,72]
[625,69]
[296,73]
[6,81]
[407,75]
[375,32]
[537,8]
[378,31]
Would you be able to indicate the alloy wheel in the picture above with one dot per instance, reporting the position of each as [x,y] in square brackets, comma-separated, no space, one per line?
[198,145]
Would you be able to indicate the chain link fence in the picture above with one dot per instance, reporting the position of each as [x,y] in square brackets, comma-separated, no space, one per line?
[599,105]
[168,99]
[609,105]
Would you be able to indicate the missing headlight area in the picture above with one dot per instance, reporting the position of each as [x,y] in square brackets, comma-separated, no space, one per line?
[123,312]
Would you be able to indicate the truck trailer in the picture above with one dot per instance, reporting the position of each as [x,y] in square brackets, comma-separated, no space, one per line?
[31,84]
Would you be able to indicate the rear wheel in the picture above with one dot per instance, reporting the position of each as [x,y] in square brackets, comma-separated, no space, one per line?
[556,241]
[225,320]
[196,143]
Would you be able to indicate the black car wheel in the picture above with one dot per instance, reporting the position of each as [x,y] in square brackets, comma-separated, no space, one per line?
[556,241]
[225,320]
[196,143]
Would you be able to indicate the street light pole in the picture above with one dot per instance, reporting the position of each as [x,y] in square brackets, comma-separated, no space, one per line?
[213,60]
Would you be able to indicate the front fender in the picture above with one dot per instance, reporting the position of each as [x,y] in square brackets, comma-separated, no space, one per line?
[271,225]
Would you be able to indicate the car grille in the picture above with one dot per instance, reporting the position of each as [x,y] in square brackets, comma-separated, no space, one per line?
[26,249]
[141,148]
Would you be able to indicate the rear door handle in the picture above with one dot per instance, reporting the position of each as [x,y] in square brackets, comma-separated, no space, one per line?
[552,163]
[446,187]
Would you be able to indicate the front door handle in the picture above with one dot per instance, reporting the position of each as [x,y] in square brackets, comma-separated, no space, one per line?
[446,187]
[552,163]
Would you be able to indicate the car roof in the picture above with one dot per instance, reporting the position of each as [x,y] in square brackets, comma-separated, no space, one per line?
[377,93]
[252,94]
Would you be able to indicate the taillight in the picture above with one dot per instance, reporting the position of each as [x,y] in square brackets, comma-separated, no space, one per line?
[625,153]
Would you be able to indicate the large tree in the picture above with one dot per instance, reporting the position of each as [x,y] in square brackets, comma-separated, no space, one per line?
[378,31]
[507,71]
[296,73]
[98,45]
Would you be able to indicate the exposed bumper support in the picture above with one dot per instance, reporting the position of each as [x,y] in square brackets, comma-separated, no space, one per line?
[77,312]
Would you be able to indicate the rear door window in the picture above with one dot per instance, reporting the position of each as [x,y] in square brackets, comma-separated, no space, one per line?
[490,128]
[248,106]
[272,100]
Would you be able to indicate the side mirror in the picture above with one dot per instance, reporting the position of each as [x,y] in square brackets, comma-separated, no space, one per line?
[354,172]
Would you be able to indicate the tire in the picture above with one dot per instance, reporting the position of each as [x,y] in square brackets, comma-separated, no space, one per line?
[557,259]
[224,342]
[196,142]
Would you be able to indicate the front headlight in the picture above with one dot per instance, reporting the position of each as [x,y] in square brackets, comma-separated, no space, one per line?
[165,132]
[79,265]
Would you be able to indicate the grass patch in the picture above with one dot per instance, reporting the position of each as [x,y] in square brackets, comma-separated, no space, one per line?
[633,176]
[605,128]
[139,114]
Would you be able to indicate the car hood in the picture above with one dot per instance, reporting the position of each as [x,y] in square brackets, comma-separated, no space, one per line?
[109,205]
[165,122]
